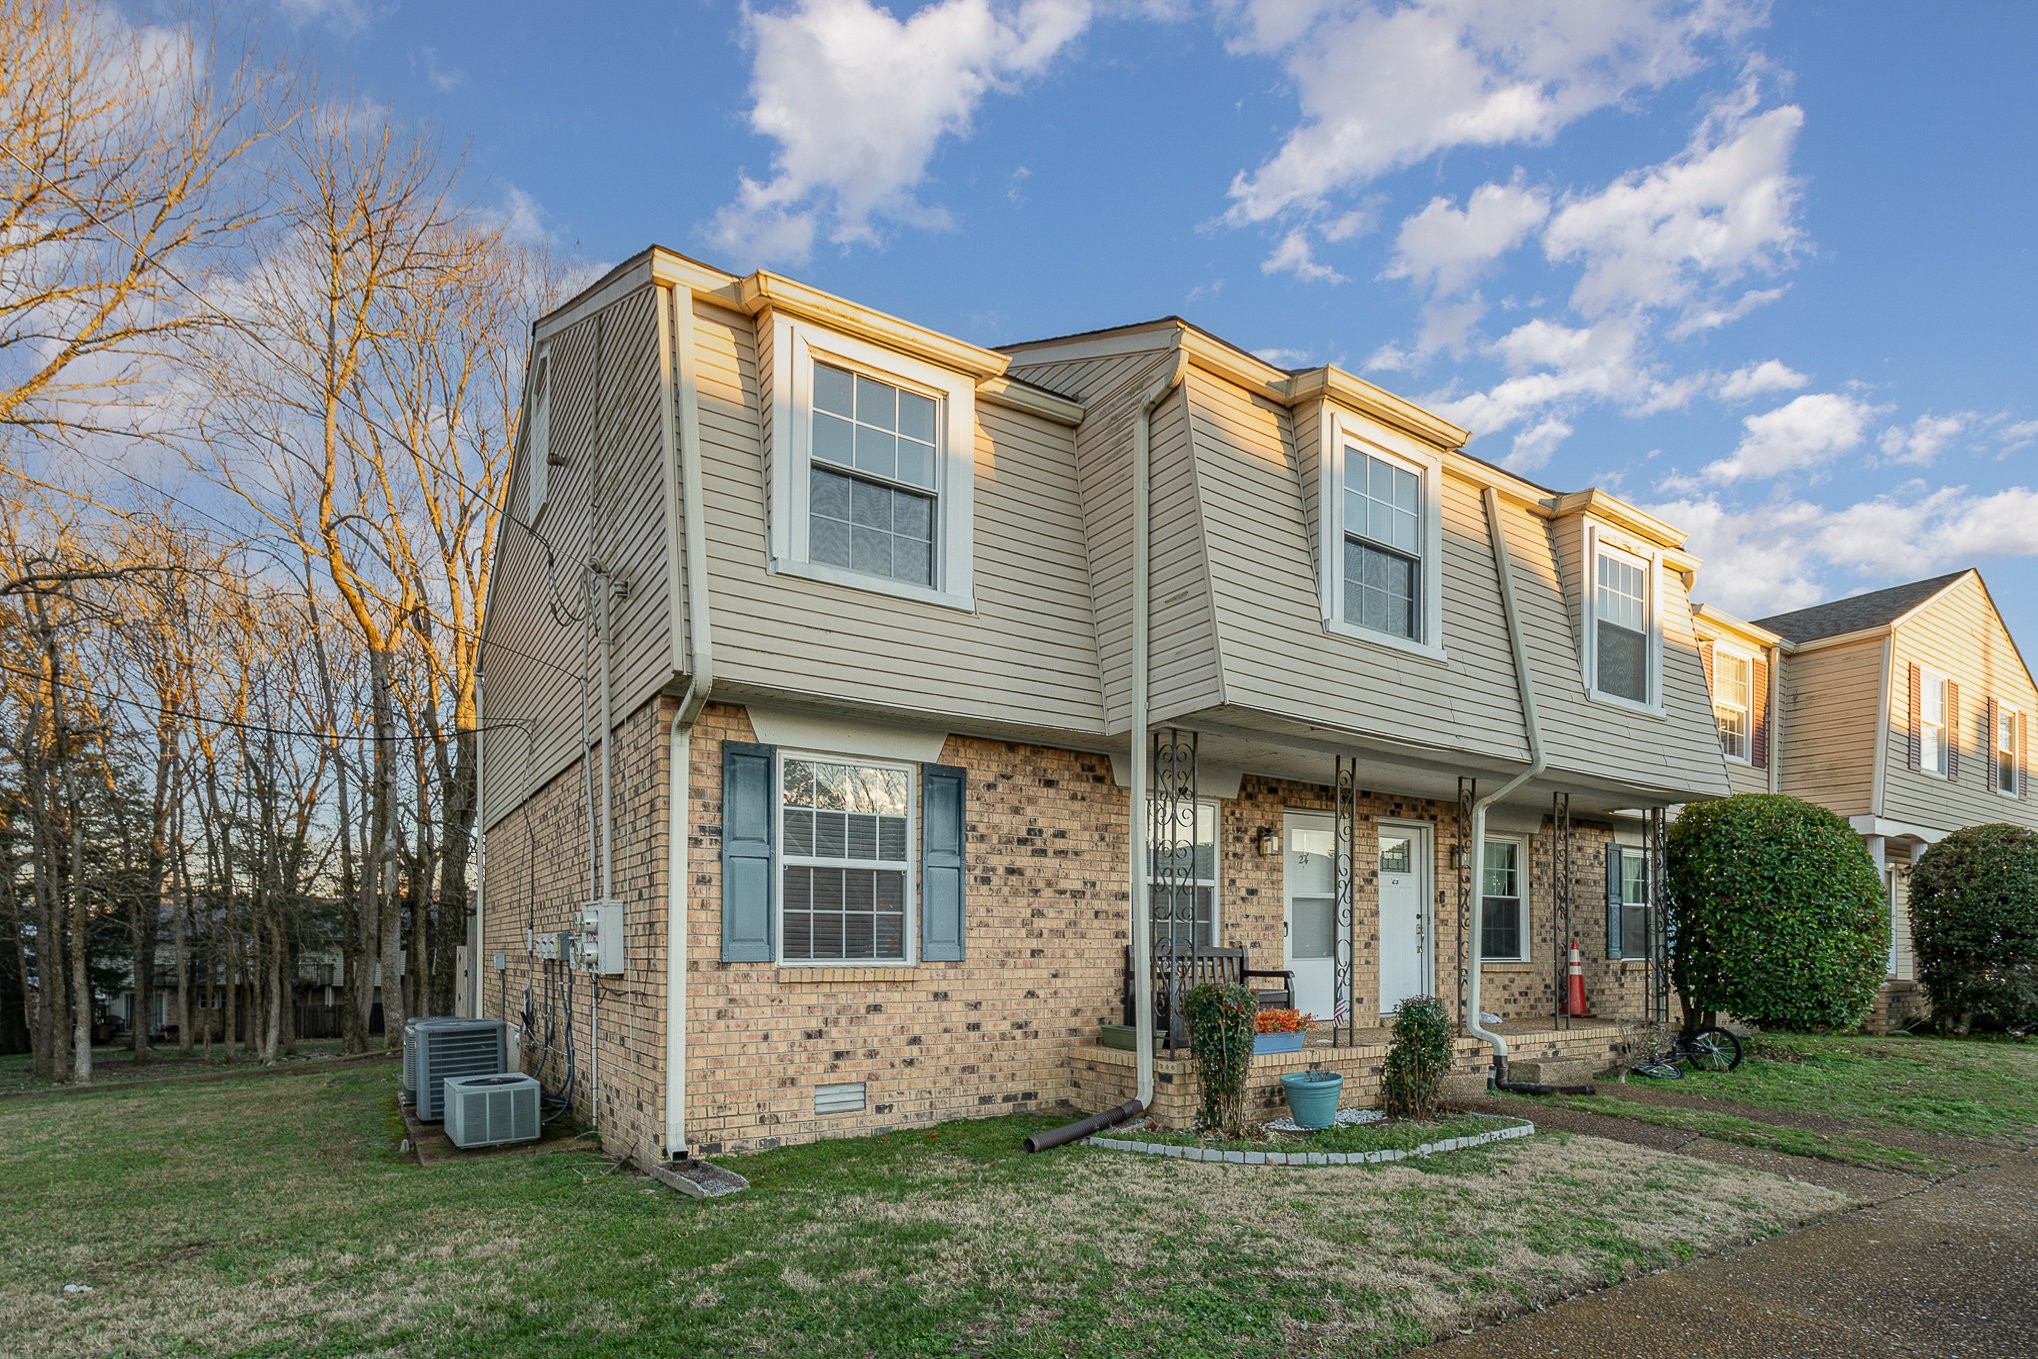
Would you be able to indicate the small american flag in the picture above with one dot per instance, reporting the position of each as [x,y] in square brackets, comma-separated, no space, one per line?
[1342,1010]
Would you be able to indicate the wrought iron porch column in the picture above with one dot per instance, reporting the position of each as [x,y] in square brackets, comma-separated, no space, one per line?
[1468,792]
[1172,813]
[1345,826]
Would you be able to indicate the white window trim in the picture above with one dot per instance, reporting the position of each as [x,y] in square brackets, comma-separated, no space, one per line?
[1341,430]
[538,439]
[1937,768]
[1216,883]
[1523,871]
[2016,717]
[778,860]
[1725,651]
[1600,539]
[795,347]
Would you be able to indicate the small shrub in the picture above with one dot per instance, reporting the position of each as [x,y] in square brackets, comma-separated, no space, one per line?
[1974,925]
[1777,915]
[1221,1023]
[1418,1058]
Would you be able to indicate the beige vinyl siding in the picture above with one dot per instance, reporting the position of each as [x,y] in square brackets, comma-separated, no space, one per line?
[1742,778]
[1900,926]
[1959,635]
[534,662]
[1087,379]
[1026,656]
[1278,658]
[1831,716]
[1680,749]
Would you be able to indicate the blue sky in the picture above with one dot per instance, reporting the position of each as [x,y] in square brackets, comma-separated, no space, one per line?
[1768,271]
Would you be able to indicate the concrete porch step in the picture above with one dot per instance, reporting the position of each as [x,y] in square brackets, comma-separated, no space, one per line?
[1551,1071]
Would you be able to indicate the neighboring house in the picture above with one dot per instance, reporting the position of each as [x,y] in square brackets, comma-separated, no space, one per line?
[857,604]
[1904,710]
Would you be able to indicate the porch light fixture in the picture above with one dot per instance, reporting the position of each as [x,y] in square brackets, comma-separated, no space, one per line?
[1269,842]
[1458,857]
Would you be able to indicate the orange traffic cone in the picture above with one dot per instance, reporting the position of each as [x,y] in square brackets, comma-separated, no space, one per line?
[1578,1010]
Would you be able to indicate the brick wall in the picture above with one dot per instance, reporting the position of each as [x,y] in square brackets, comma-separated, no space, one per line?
[537,875]
[1047,910]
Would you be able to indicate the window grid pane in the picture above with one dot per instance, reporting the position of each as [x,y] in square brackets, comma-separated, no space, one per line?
[1380,589]
[1731,705]
[1184,906]
[845,845]
[2006,753]
[1383,545]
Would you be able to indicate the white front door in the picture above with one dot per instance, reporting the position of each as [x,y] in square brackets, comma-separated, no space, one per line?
[1404,914]
[1311,902]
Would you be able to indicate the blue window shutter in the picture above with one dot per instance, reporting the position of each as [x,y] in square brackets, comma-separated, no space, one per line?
[1614,892]
[748,815]
[942,888]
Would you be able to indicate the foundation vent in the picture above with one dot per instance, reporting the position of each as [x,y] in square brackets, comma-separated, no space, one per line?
[846,1098]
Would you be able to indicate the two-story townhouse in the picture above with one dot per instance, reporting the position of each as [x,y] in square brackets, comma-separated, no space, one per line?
[1904,710]
[843,654]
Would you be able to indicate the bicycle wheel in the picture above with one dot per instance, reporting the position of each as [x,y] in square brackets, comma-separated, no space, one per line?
[1657,1069]
[1713,1049]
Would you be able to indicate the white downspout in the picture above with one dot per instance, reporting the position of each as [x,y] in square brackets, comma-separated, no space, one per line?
[682,446]
[1504,567]
[1142,561]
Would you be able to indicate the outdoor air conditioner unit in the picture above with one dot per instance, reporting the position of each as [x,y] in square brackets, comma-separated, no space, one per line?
[447,1048]
[488,1111]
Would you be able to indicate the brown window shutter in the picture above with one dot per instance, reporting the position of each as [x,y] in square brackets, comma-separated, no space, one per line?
[2023,755]
[1989,747]
[1705,657]
[1952,732]
[1917,717]
[1758,702]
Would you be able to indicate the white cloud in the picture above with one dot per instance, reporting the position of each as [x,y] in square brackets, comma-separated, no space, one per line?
[1294,255]
[1392,358]
[1283,358]
[1808,431]
[1788,554]
[859,102]
[1925,438]
[444,79]
[2017,435]
[1552,369]
[347,17]
[1382,88]
[1533,447]
[1670,236]
[1444,248]
[1759,379]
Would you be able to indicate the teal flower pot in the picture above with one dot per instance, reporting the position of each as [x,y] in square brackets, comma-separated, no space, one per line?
[1312,1097]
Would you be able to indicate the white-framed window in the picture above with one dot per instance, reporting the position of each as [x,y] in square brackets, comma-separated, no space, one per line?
[1634,909]
[1624,637]
[872,467]
[2005,737]
[1733,703]
[538,438]
[1503,901]
[846,838]
[1381,571]
[1182,886]
[1932,726]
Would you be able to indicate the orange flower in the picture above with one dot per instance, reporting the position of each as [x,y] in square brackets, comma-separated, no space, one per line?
[1282,1021]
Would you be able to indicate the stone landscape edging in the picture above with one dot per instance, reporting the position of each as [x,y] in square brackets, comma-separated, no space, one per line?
[1520,1128]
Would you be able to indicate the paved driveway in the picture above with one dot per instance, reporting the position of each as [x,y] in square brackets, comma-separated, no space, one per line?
[1949,1269]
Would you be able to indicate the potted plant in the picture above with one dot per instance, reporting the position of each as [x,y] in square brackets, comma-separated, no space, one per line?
[1312,1096]
[1279,1031]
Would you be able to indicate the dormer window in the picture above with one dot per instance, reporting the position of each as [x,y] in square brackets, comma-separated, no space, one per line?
[1381,507]
[1624,638]
[872,467]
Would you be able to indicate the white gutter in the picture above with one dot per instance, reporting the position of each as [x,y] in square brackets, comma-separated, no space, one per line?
[681,430]
[1504,567]
[1885,720]
[1142,570]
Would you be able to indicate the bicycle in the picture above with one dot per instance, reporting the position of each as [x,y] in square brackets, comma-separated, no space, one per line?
[1710,1049]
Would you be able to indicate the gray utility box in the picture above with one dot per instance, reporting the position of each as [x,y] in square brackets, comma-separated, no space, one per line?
[445,1048]
[488,1111]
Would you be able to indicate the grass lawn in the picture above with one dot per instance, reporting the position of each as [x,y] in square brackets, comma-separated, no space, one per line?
[1395,1135]
[116,1065]
[269,1216]
[1853,1091]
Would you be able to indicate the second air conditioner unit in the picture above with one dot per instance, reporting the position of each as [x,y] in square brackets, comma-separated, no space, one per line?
[488,1111]
[447,1048]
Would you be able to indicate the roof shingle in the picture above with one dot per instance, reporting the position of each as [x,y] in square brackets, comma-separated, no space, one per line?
[1877,608]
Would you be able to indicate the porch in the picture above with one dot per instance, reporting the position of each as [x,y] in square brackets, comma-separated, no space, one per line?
[1105,1076]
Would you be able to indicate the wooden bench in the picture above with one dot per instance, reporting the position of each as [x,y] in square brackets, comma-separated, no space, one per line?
[1207,963]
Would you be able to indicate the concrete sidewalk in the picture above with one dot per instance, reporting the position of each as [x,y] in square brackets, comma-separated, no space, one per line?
[1950,1269]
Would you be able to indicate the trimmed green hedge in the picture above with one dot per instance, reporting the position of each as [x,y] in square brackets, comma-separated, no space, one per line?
[1418,1058]
[1777,914]
[1974,926]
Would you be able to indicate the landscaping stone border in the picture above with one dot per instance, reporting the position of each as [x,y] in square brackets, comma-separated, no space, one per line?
[1519,1128]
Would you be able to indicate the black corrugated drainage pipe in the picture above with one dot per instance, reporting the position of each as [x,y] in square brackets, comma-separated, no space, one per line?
[1084,1127]
[1500,1082]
